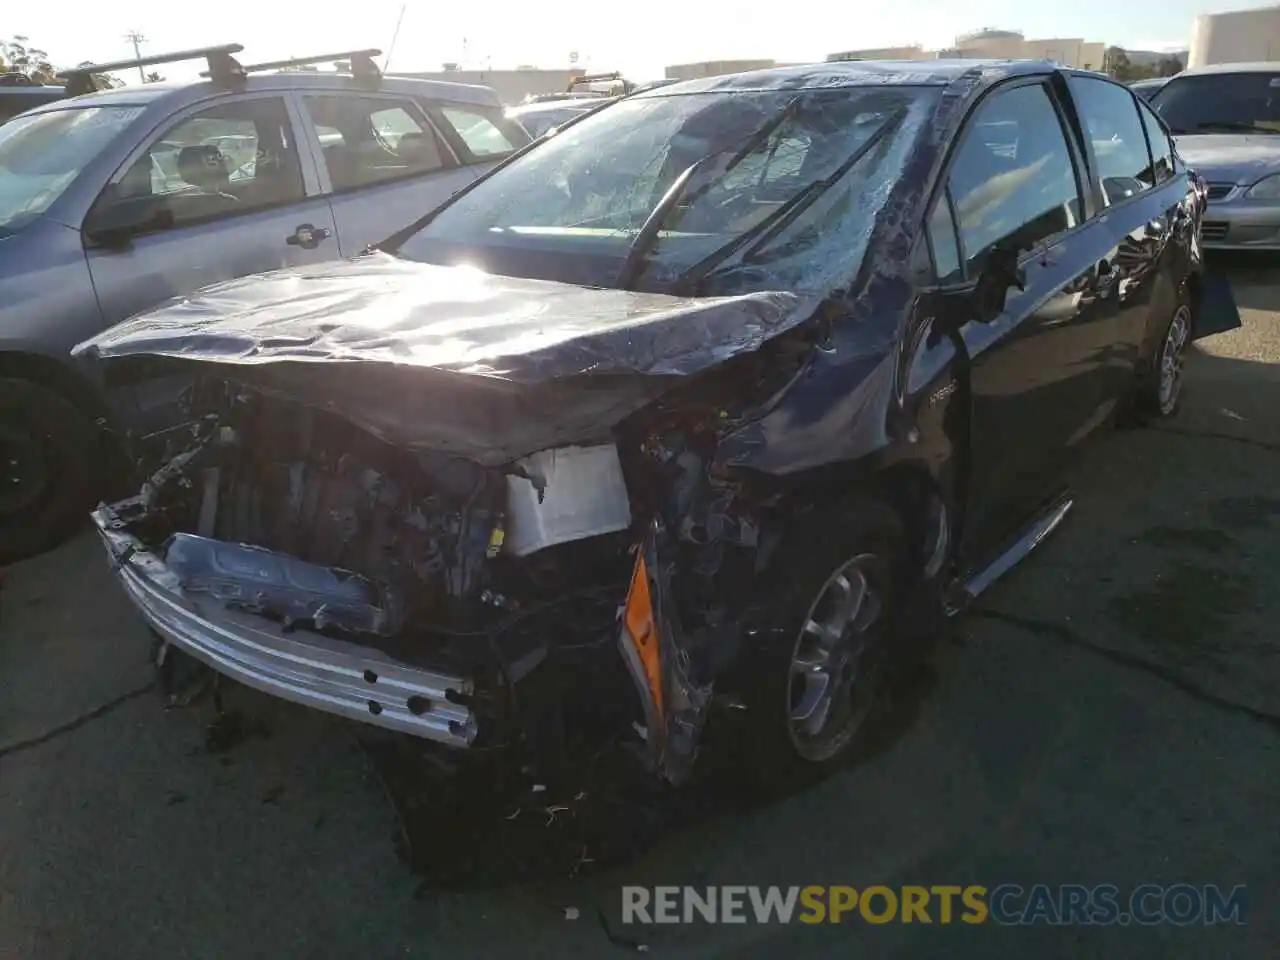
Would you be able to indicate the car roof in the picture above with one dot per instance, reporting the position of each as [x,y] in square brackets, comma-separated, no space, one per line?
[1259,66]
[1150,82]
[178,93]
[854,73]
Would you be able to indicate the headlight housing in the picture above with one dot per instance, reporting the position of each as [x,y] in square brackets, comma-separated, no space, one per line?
[1268,188]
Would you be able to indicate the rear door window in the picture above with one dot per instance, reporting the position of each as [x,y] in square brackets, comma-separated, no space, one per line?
[1114,127]
[1161,146]
[1013,181]
[482,133]
[370,140]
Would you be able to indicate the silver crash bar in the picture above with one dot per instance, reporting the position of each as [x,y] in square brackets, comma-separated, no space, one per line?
[346,679]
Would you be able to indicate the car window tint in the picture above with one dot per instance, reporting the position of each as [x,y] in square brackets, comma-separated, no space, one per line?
[480,131]
[371,140]
[943,242]
[230,159]
[1161,146]
[1109,113]
[1013,181]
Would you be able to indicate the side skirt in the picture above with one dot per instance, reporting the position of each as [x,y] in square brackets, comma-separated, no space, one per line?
[969,588]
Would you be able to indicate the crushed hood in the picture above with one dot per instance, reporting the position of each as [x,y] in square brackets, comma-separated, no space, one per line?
[450,358]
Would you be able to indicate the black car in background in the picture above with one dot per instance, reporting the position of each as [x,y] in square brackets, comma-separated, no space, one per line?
[738,387]
[1146,89]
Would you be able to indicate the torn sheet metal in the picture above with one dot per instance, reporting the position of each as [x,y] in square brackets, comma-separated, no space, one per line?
[382,309]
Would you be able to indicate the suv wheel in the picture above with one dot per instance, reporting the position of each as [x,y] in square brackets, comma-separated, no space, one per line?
[47,449]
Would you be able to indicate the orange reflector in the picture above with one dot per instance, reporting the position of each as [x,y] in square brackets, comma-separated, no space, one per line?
[642,628]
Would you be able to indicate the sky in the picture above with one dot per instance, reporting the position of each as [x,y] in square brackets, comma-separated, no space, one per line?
[638,38]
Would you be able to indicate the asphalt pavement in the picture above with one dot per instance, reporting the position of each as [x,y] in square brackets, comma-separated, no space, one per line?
[1109,714]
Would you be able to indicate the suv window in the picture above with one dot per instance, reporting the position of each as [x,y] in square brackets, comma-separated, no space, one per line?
[371,140]
[1013,181]
[1109,113]
[486,133]
[230,159]
[1220,103]
[1161,146]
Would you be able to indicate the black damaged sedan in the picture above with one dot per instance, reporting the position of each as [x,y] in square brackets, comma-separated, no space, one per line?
[728,394]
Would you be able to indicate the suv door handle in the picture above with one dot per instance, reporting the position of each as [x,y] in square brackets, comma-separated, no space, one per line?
[307,236]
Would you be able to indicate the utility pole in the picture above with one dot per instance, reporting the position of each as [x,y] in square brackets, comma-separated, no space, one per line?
[137,39]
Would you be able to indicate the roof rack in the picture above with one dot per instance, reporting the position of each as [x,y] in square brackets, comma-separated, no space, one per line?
[222,66]
[361,64]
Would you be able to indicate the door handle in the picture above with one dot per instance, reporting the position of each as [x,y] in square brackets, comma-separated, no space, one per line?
[307,236]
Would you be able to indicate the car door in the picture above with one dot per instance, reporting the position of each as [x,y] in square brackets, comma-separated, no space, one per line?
[382,162]
[213,215]
[1140,220]
[1037,378]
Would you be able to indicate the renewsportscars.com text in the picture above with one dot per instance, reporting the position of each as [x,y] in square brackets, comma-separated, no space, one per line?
[1180,904]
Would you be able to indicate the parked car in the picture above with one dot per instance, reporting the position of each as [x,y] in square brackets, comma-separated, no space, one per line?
[113,201]
[738,387]
[18,94]
[1146,88]
[538,118]
[1227,122]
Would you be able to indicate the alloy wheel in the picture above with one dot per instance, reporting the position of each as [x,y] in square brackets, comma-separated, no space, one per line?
[835,663]
[1172,359]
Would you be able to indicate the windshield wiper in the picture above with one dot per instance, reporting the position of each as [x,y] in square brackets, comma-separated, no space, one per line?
[781,218]
[1234,126]
[637,257]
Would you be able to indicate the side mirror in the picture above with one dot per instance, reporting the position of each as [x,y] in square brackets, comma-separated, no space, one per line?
[113,223]
[991,291]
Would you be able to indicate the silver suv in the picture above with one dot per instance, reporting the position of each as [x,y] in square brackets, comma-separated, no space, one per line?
[113,201]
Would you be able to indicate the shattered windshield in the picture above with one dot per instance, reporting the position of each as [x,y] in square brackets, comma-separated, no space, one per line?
[41,154]
[787,181]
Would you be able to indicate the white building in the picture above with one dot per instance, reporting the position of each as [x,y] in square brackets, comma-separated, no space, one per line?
[1240,36]
[994,45]
[715,68]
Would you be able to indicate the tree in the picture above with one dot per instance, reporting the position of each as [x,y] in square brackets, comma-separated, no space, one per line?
[154,77]
[1116,62]
[1168,66]
[18,56]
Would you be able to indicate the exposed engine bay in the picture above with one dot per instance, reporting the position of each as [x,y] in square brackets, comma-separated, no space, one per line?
[525,577]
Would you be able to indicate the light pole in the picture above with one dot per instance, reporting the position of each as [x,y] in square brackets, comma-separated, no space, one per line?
[137,39]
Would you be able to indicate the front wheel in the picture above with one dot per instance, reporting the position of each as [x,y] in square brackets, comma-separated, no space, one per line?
[817,664]
[47,456]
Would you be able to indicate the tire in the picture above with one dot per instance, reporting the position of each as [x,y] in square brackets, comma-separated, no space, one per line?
[790,734]
[48,449]
[1160,392]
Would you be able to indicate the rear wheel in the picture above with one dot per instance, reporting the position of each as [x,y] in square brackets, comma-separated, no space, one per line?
[1160,393]
[820,659]
[47,456]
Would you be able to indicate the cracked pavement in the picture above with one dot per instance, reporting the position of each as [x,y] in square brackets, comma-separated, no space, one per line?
[1108,714]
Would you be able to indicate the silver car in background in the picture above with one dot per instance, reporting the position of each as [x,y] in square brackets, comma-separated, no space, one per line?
[538,118]
[112,201]
[1226,119]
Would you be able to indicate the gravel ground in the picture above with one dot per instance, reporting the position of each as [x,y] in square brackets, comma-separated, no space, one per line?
[1109,715]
